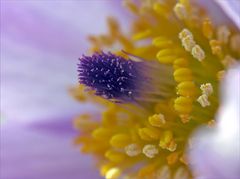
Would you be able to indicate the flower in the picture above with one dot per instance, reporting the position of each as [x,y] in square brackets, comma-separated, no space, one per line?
[148,139]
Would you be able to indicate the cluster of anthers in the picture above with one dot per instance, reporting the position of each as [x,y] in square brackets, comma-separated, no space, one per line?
[151,108]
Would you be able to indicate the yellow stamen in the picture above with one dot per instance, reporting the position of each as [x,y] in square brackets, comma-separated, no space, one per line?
[120,140]
[115,156]
[186,89]
[203,100]
[157,120]
[183,74]
[180,63]
[207,28]
[180,11]
[133,150]
[113,173]
[223,34]
[149,134]
[150,150]
[198,52]
[207,89]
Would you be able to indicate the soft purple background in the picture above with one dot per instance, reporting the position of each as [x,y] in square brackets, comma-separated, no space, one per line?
[40,44]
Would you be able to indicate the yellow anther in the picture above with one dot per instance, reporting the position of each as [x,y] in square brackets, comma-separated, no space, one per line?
[183,101]
[172,158]
[229,61]
[150,150]
[184,33]
[188,43]
[183,74]
[183,105]
[105,168]
[235,43]
[115,156]
[216,47]
[207,89]
[166,59]
[160,9]
[211,123]
[164,172]
[157,120]
[147,170]
[198,52]
[165,52]
[180,11]
[185,118]
[120,140]
[223,34]
[133,150]
[167,141]
[220,75]
[102,133]
[181,173]
[113,173]
[207,28]
[203,100]
[162,42]
[142,35]
[186,88]
[180,63]
[149,133]
[131,6]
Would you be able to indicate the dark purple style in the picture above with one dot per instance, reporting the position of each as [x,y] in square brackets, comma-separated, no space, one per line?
[112,77]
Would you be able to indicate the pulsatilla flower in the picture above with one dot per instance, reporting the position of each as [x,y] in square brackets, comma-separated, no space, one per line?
[152,106]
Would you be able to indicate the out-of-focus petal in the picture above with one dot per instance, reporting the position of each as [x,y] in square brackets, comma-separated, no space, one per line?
[232,9]
[40,44]
[27,153]
[216,152]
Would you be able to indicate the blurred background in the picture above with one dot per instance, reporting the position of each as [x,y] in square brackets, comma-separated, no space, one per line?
[40,44]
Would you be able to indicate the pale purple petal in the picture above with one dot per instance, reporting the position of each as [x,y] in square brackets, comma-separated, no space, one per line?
[216,152]
[40,44]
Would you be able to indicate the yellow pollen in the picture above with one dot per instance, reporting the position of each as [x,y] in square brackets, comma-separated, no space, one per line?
[235,43]
[157,120]
[184,33]
[113,173]
[198,52]
[207,89]
[102,133]
[223,34]
[207,28]
[188,43]
[180,11]
[150,150]
[216,47]
[203,100]
[133,150]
